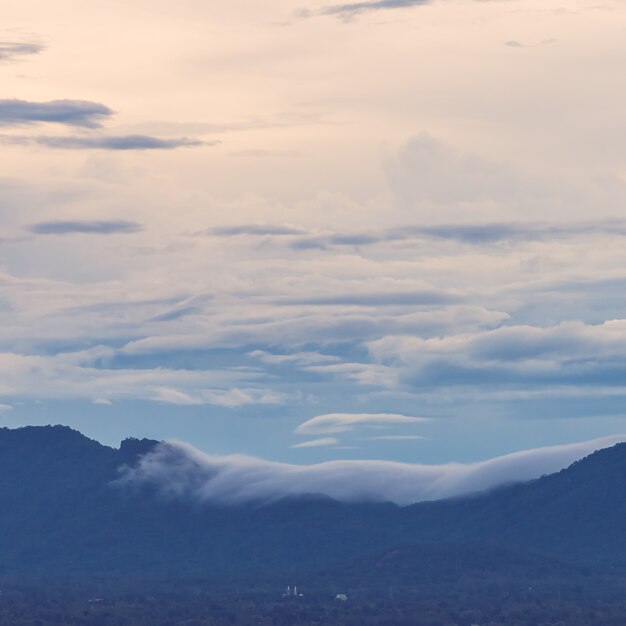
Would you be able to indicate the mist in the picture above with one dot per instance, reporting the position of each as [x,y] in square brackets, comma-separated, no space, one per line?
[178,470]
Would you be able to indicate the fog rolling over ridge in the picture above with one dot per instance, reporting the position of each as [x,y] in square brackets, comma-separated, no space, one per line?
[179,470]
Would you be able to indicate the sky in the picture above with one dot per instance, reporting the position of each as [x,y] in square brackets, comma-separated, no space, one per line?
[387,230]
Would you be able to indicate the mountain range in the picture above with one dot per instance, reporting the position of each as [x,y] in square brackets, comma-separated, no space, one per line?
[64,510]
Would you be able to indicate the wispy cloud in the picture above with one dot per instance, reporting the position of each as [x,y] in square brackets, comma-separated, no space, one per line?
[425,297]
[84,375]
[107,142]
[513,43]
[350,9]
[470,233]
[178,470]
[317,443]
[298,358]
[397,438]
[568,353]
[92,227]
[66,112]
[11,51]
[259,230]
[333,423]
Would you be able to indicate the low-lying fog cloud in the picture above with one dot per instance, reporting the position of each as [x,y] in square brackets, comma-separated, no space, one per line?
[179,470]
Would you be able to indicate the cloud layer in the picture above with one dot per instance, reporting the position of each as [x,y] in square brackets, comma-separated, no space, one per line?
[387,241]
[468,233]
[116,142]
[95,227]
[353,8]
[179,470]
[11,51]
[333,423]
[65,112]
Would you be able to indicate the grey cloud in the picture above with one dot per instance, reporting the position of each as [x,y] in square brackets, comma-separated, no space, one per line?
[180,471]
[353,8]
[424,297]
[518,44]
[347,239]
[477,233]
[183,308]
[13,51]
[119,142]
[175,314]
[260,230]
[321,326]
[95,227]
[486,232]
[516,231]
[571,353]
[427,171]
[66,112]
[569,340]
[83,375]
[398,438]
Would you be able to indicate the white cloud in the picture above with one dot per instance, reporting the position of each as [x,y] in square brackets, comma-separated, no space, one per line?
[571,350]
[75,375]
[299,358]
[180,470]
[317,443]
[332,423]
[397,438]
[495,212]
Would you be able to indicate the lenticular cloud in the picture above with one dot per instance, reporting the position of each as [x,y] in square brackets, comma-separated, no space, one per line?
[179,470]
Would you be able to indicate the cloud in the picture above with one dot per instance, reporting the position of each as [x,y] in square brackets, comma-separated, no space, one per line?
[344,422]
[351,9]
[339,239]
[111,142]
[181,471]
[397,438]
[292,327]
[426,297]
[298,358]
[317,443]
[510,344]
[513,43]
[259,230]
[85,375]
[477,233]
[94,227]
[567,353]
[67,112]
[5,408]
[11,51]
[512,231]
[429,172]
[181,309]
[370,374]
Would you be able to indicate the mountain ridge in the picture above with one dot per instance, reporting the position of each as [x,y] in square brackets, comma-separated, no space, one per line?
[64,510]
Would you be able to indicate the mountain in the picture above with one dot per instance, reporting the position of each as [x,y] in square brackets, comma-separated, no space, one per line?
[444,565]
[63,512]
[577,514]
